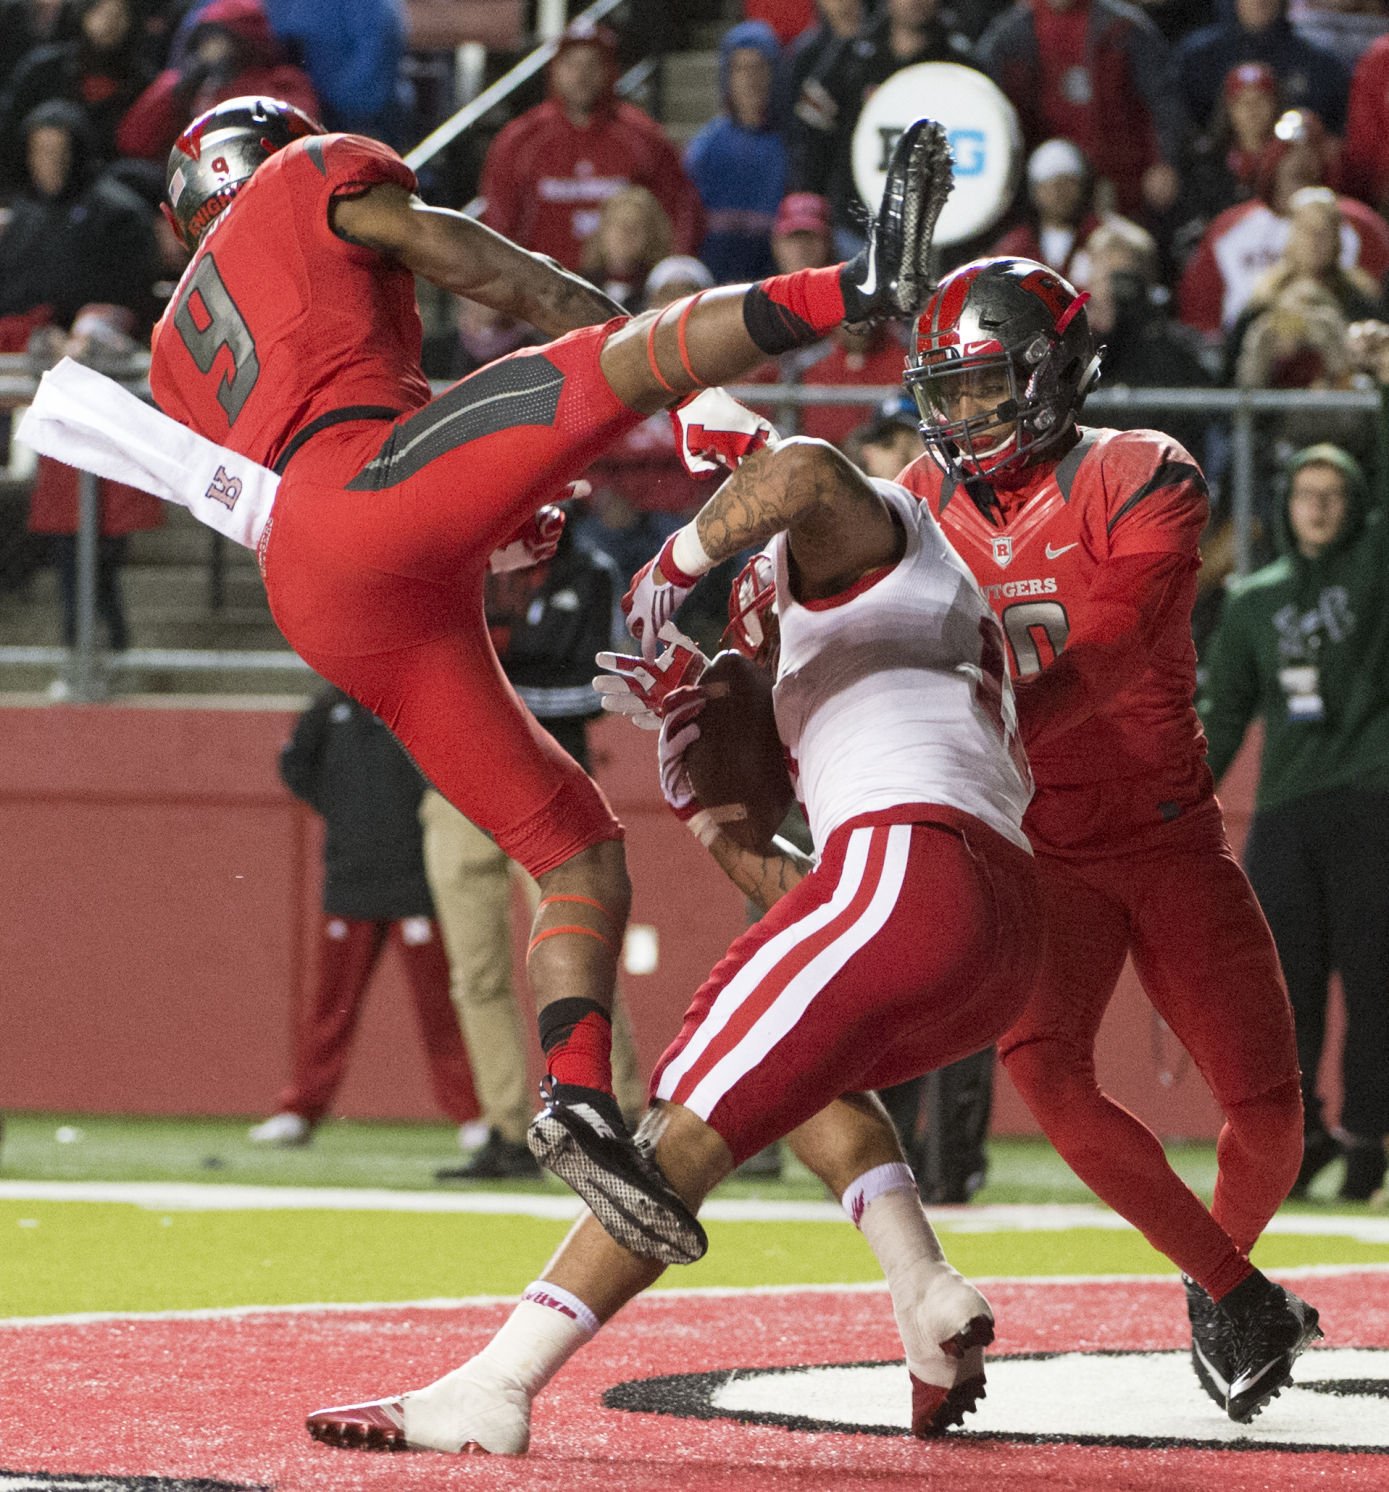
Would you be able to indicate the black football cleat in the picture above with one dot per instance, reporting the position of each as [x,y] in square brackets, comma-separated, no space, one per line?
[580,1136]
[1263,1330]
[1208,1347]
[892,275]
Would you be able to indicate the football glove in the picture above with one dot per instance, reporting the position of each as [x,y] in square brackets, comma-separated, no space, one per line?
[639,688]
[713,432]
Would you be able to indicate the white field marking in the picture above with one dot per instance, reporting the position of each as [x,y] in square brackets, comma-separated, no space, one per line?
[196,1196]
[658,1293]
[1088,1396]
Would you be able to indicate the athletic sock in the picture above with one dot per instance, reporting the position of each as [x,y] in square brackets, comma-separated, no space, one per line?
[884,1206]
[790,311]
[576,1036]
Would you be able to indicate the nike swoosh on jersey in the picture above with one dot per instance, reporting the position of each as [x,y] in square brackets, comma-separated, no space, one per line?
[1057,553]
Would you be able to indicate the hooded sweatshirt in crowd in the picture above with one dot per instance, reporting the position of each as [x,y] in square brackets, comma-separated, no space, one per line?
[1328,728]
[739,173]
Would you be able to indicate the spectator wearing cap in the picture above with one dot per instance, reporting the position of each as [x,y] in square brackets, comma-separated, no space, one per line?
[1246,240]
[802,237]
[549,172]
[1060,218]
[1258,31]
[1365,161]
[1093,71]
[1222,164]
[231,53]
[352,51]
[737,162]
[827,107]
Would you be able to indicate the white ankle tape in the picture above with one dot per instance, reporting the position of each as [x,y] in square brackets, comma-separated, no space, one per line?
[556,1298]
[894,1177]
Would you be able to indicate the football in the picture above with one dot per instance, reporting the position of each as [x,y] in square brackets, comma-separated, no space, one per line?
[737,766]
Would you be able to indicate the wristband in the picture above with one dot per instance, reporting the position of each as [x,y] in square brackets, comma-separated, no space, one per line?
[683,559]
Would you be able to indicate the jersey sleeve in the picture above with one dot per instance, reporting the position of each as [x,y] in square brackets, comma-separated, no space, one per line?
[354,164]
[1155,495]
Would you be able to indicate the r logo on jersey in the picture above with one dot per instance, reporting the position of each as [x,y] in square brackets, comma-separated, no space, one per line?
[1003,550]
[223,488]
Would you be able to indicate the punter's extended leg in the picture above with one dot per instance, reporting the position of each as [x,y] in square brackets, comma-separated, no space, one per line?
[661,356]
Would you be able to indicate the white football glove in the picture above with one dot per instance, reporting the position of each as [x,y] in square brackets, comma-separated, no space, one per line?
[638,687]
[651,602]
[714,432]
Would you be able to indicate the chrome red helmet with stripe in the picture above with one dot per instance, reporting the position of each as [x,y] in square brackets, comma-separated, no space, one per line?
[1002,362]
[218,153]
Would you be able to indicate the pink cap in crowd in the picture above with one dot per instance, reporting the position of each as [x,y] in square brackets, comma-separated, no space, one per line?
[802,212]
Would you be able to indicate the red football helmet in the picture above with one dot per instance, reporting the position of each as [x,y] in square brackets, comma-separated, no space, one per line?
[216,155]
[1003,361]
[752,628]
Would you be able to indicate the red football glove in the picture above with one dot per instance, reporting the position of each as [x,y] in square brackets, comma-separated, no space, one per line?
[713,432]
[639,688]
[537,538]
[679,728]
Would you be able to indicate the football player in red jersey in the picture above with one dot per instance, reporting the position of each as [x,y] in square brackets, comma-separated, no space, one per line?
[1085,542]
[293,338]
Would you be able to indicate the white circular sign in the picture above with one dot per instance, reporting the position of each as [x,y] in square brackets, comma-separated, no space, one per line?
[985,141]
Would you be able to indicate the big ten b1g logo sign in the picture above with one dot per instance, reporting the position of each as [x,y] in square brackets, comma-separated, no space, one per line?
[985,142]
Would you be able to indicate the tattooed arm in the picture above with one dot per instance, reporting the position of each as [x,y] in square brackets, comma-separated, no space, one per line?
[838,525]
[467,258]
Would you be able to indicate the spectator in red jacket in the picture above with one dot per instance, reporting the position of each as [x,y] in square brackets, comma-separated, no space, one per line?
[549,172]
[1366,159]
[1248,239]
[231,52]
[1093,71]
[870,356]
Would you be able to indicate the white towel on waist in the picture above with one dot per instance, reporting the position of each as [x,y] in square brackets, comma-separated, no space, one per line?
[84,419]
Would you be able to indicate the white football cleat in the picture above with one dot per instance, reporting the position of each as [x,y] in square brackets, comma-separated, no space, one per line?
[944,1331]
[472,1411]
[281,1129]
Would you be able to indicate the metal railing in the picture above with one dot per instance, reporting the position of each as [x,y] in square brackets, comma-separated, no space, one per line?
[87,665]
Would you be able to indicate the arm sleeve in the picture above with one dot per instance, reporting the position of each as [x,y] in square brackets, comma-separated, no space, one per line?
[1230,697]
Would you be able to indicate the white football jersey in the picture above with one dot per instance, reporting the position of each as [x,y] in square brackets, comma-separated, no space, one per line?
[897,692]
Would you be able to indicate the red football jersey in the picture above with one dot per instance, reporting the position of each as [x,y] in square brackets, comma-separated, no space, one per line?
[1094,556]
[278,320]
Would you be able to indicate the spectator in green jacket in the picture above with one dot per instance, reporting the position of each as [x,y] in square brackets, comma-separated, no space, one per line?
[1303,645]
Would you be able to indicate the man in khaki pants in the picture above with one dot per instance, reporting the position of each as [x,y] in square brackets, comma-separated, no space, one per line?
[470,881]
[546,622]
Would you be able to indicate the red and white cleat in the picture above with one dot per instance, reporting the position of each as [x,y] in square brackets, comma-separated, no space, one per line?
[945,1334]
[379,1426]
[472,1411]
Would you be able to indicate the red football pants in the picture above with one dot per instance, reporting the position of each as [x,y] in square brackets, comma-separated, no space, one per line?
[1204,956]
[348,952]
[910,945]
[374,569]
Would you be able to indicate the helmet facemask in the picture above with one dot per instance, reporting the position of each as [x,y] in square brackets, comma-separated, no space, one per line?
[753,628]
[1003,361]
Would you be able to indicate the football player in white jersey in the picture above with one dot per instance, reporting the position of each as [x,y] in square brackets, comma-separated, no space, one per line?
[910,941]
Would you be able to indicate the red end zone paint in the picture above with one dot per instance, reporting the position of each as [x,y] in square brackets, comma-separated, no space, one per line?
[225,1398]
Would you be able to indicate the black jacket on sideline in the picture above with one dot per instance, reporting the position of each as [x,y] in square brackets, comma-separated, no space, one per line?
[345,764]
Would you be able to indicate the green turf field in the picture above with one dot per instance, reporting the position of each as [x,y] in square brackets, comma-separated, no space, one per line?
[90,1255]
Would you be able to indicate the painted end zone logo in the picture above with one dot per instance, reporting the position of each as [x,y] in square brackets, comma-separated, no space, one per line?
[1339,1400]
